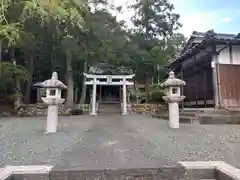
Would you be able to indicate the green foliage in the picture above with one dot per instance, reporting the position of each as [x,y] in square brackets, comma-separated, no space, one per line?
[15,96]
[10,32]
[155,18]
[157,95]
[7,74]
[52,33]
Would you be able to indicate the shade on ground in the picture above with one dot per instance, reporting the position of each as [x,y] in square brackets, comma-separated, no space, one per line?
[115,142]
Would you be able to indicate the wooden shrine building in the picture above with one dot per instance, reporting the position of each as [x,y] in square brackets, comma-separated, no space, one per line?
[210,65]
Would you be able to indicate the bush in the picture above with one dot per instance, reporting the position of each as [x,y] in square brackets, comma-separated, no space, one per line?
[13,97]
[157,95]
[140,95]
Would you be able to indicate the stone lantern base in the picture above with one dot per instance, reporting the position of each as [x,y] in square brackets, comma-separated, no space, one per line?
[52,115]
[173,109]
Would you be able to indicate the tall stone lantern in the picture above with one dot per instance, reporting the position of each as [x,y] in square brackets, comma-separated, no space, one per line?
[173,97]
[53,99]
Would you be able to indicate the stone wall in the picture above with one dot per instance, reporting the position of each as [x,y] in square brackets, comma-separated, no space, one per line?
[149,108]
[41,110]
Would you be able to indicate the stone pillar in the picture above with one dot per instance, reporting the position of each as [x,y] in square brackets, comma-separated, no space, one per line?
[52,119]
[173,115]
[214,65]
[124,112]
[94,94]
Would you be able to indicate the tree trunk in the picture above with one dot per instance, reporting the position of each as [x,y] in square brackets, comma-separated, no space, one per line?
[76,95]
[18,99]
[30,66]
[146,87]
[84,87]
[1,57]
[70,84]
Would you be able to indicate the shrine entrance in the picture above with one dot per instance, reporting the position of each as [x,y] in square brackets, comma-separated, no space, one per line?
[109,94]
[108,88]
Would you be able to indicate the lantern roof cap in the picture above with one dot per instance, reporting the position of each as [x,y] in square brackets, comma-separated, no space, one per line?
[172,81]
[52,83]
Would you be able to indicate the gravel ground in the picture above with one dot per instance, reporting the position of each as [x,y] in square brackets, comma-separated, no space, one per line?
[113,141]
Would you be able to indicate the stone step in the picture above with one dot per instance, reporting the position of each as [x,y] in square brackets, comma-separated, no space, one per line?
[210,111]
[182,119]
[110,102]
[192,114]
[203,118]
[109,108]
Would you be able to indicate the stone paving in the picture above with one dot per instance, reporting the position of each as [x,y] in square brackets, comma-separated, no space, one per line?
[115,142]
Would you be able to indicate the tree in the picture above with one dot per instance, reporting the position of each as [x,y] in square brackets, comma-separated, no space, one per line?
[35,21]
[69,35]
[178,41]
[8,71]
[154,22]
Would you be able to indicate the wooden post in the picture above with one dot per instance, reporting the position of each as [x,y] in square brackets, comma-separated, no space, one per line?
[204,88]
[182,78]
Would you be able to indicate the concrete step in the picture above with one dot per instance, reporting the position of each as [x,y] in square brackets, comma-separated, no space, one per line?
[110,102]
[182,119]
[109,108]
[210,111]
[192,114]
[203,118]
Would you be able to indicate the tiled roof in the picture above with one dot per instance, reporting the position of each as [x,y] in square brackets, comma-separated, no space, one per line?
[219,36]
[207,37]
[104,68]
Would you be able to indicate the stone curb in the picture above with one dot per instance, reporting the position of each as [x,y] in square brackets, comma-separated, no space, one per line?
[219,169]
[8,171]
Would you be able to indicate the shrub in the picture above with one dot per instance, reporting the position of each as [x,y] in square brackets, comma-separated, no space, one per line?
[157,95]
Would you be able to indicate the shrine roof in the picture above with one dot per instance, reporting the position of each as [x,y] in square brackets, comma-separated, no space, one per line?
[206,39]
[108,69]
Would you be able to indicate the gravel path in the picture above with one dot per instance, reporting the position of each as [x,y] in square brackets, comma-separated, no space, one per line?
[112,141]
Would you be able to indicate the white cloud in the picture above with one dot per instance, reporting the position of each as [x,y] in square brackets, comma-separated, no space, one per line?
[126,14]
[199,21]
[227,19]
[192,20]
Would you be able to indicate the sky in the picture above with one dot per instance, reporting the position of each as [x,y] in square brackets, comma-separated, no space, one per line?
[223,16]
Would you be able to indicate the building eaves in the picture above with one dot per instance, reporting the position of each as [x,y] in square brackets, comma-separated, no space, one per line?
[208,37]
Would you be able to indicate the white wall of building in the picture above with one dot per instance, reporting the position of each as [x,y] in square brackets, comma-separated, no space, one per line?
[224,57]
[236,54]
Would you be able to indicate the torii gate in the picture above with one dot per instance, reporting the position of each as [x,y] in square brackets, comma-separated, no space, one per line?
[107,80]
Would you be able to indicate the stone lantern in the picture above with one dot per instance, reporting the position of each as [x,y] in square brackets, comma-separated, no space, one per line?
[173,97]
[53,99]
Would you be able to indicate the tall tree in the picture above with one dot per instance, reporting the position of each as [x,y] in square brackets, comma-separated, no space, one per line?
[153,20]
